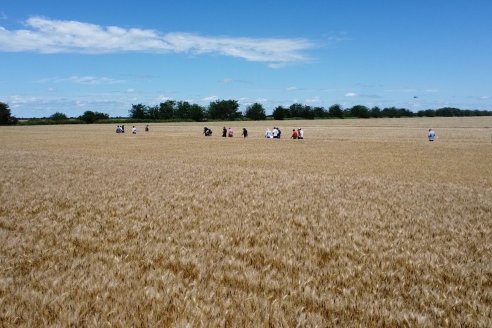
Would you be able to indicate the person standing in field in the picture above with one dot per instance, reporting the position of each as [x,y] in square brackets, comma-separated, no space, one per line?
[300,134]
[147,128]
[134,130]
[294,134]
[245,133]
[224,132]
[275,133]
[431,135]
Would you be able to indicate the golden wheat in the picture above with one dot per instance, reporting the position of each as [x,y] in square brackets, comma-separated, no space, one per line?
[363,223]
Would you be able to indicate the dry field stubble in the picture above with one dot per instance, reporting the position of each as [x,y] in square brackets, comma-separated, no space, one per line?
[363,223]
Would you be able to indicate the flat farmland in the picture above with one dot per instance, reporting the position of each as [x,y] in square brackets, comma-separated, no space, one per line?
[363,223]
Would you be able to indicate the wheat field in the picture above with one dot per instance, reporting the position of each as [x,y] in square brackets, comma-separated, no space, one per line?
[364,223]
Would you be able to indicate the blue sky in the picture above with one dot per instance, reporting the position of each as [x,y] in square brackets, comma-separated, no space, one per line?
[73,56]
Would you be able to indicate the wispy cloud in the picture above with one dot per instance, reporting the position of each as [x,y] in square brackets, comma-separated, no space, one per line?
[92,80]
[211,98]
[88,80]
[314,100]
[228,80]
[48,36]
[350,94]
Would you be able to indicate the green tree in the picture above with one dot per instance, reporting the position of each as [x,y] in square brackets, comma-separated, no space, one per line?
[448,112]
[92,117]
[197,113]
[427,112]
[336,111]
[58,117]
[375,112]
[319,112]
[359,111]
[307,112]
[152,112]
[256,112]
[183,110]
[296,110]
[6,117]
[279,113]
[166,109]
[138,111]
[225,110]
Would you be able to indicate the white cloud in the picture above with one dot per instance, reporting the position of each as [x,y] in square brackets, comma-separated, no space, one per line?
[314,100]
[292,89]
[89,80]
[57,36]
[211,98]
[484,97]
[350,94]
[92,80]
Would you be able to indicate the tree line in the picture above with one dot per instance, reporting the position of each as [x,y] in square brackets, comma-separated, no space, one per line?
[228,110]
[225,110]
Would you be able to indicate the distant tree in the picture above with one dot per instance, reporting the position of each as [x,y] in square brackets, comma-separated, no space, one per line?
[256,112]
[448,112]
[226,110]
[375,112]
[92,117]
[151,112]
[336,111]
[58,117]
[183,110]
[390,112]
[279,113]
[307,112]
[166,109]
[319,112]
[296,110]
[138,111]
[6,117]
[427,113]
[197,113]
[406,113]
[359,111]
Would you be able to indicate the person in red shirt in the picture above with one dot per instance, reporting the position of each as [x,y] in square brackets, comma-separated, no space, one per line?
[294,134]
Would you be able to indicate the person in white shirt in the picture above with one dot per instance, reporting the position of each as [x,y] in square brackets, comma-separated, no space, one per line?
[301,134]
[268,133]
[431,135]
[275,133]
[134,130]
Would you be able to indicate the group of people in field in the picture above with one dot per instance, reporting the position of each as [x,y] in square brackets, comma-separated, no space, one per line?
[297,134]
[226,132]
[275,133]
[121,129]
